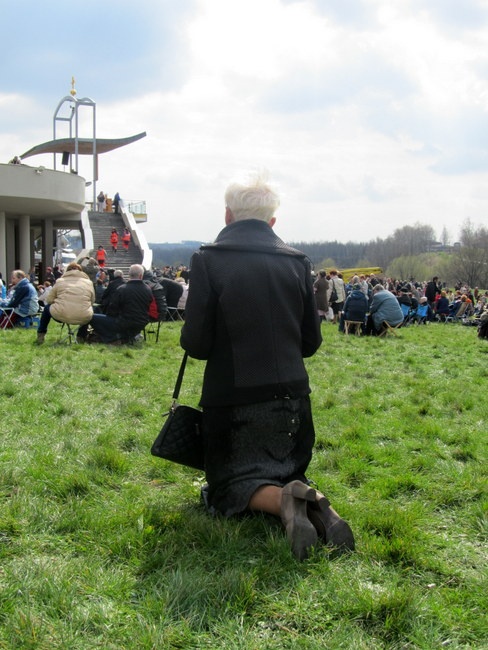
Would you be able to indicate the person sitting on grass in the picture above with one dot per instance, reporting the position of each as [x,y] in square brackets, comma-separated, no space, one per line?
[70,301]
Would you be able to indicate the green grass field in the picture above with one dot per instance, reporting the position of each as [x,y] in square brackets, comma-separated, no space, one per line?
[104,546]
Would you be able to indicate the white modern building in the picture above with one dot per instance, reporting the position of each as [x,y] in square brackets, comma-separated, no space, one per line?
[35,202]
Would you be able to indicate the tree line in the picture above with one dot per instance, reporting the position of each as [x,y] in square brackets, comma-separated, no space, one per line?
[410,252]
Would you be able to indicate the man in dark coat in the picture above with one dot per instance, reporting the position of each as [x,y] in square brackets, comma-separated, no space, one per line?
[251,315]
[108,295]
[130,311]
[432,288]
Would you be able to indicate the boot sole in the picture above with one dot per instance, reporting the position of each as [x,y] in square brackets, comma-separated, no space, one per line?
[300,531]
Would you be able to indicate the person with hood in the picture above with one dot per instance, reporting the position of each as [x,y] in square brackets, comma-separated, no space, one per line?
[158,308]
[355,307]
[70,301]
[90,267]
[24,300]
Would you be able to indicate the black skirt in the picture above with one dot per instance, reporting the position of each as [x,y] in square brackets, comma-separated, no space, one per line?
[246,447]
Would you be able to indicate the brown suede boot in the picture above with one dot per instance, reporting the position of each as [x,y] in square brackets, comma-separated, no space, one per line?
[40,338]
[300,531]
[331,528]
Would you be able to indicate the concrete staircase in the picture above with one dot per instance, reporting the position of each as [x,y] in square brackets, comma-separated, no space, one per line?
[101,224]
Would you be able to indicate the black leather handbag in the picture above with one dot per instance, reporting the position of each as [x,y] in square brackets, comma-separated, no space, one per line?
[180,439]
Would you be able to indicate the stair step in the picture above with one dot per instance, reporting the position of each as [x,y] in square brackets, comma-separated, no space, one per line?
[101,224]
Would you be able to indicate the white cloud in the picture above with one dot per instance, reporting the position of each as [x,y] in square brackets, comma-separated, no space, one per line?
[370,114]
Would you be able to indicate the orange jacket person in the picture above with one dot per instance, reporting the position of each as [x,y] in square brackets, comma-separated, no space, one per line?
[101,256]
[114,239]
[126,239]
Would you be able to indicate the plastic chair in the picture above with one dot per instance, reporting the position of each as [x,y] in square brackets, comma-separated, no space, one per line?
[421,314]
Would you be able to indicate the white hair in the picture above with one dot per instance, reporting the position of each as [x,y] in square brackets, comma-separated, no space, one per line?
[136,272]
[255,199]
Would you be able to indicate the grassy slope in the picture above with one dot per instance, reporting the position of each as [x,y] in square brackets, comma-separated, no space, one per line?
[104,546]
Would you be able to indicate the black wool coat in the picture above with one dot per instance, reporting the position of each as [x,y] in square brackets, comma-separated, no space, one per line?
[251,314]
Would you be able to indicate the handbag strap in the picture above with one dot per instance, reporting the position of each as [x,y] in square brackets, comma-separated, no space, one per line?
[179,379]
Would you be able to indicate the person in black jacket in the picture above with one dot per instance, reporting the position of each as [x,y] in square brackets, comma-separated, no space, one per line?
[251,315]
[159,297]
[105,306]
[355,308]
[129,305]
[172,291]
[432,288]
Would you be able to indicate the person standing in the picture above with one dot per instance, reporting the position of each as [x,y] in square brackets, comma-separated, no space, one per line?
[251,314]
[432,288]
[116,203]
[126,239]
[101,256]
[114,240]
[337,295]
[321,288]
[101,202]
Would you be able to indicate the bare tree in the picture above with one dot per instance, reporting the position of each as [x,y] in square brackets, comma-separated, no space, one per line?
[445,237]
[470,262]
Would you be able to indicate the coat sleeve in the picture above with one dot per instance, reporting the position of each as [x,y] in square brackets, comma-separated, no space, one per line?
[198,332]
[20,293]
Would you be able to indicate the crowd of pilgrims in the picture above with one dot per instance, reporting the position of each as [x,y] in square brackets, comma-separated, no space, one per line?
[334,294]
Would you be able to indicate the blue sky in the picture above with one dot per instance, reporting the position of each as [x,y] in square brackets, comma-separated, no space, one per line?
[369,114]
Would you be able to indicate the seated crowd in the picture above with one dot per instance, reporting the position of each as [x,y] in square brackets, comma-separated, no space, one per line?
[99,302]
[368,303]
[107,308]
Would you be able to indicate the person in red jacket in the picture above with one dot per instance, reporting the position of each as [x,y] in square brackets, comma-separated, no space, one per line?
[101,256]
[126,239]
[114,240]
